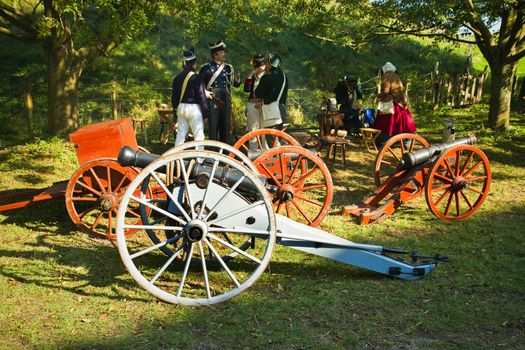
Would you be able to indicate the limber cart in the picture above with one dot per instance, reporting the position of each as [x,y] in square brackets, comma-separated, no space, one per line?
[210,230]
[93,193]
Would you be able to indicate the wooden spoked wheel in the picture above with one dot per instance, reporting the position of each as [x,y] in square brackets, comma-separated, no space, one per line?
[93,194]
[388,158]
[458,183]
[264,139]
[207,218]
[305,187]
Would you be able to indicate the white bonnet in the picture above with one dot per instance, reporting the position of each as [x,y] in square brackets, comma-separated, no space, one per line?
[388,67]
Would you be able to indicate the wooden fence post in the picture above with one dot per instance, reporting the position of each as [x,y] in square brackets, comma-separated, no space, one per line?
[113,98]
[28,103]
[480,85]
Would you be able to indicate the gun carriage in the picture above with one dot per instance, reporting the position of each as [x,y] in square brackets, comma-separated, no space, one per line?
[455,177]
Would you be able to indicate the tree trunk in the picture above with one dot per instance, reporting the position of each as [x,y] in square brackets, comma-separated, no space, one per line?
[501,95]
[64,70]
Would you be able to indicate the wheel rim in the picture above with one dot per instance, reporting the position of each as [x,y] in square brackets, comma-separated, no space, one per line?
[200,218]
[458,183]
[277,138]
[305,184]
[208,145]
[93,195]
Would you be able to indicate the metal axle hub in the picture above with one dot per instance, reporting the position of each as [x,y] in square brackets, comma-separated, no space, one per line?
[108,201]
[460,183]
[286,193]
[195,230]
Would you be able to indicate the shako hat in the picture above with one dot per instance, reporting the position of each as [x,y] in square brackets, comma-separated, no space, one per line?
[275,60]
[258,60]
[217,46]
[189,55]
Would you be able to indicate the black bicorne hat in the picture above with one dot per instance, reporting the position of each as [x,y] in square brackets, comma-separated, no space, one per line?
[258,60]
[217,46]
[275,60]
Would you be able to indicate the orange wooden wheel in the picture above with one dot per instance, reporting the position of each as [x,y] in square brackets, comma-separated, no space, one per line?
[265,139]
[305,187]
[458,183]
[93,194]
[388,158]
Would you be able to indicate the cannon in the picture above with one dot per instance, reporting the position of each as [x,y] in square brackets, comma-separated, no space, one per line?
[207,240]
[455,177]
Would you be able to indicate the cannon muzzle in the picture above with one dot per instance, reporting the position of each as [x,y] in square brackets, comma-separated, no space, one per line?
[411,159]
[200,172]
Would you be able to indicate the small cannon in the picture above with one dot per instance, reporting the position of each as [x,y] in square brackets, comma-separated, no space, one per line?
[203,239]
[454,175]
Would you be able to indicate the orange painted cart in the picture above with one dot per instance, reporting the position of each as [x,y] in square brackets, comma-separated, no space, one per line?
[93,193]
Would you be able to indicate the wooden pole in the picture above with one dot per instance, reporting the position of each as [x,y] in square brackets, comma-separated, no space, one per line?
[28,103]
[113,98]
[480,85]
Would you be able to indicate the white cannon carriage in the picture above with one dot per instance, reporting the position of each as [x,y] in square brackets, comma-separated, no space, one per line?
[208,228]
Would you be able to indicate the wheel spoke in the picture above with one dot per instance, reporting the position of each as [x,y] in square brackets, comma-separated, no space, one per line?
[241,230]
[441,198]
[303,178]
[467,174]
[299,160]
[312,201]
[402,147]
[388,162]
[173,199]
[132,213]
[121,182]
[175,254]
[108,172]
[99,217]
[204,271]
[466,199]
[301,211]
[210,181]
[443,177]
[447,208]
[110,222]
[449,168]
[89,188]
[162,211]
[477,178]
[236,212]
[97,179]
[187,185]
[158,245]
[458,211]
[226,268]
[267,171]
[186,268]
[288,212]
[231,246]
[90,209]
[279,206]
[412,144]
[225,196]
[441,188]
[392,153]
[283,173]
[310,187]
[458,160]
[84,199]
[467,162]
[476,190]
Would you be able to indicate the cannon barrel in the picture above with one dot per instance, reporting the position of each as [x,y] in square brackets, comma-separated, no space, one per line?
[201,172]
[411,159]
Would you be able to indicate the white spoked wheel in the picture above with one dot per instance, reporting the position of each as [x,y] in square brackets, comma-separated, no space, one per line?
[215,204]
[215,146]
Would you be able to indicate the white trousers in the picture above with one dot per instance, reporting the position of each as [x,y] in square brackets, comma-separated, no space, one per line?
[189,117]
[253,121]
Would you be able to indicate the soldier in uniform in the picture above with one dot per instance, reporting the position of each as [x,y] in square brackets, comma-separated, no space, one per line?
[218,78]
[189,100]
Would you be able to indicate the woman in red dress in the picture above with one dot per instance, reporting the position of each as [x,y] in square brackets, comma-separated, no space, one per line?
[394,118]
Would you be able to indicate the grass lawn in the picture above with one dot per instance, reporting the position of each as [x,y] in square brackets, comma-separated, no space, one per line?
[63,289]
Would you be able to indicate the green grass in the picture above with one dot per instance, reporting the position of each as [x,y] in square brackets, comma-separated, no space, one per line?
[63,289]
